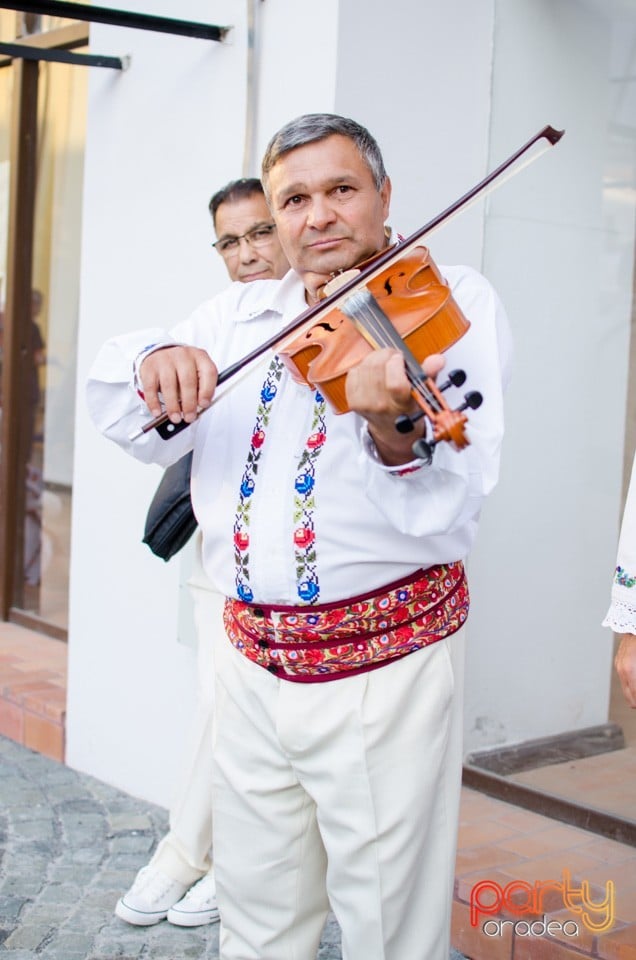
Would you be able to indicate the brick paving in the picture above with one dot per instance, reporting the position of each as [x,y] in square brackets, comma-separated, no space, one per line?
[33,689]
[506,845]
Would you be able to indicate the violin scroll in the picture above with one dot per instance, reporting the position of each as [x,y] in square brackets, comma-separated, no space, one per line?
[448,425]
[405,423]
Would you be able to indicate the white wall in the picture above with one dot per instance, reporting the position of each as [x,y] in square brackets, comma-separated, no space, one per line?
[163,136]
[420,81]
[297,66]
[539,662]
[451,100]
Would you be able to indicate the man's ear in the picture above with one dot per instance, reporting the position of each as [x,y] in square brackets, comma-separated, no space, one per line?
[385,194]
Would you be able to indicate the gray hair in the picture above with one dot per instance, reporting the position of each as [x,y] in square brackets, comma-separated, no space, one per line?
[312,127]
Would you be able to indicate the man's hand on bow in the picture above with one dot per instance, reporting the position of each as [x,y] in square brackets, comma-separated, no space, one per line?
[184,376]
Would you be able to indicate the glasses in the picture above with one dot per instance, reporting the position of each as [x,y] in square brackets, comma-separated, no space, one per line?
[256,237]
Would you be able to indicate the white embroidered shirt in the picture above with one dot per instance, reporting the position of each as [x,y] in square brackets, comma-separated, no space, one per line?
[293,506]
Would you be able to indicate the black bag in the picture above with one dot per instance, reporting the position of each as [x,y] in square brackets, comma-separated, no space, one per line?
[170,521]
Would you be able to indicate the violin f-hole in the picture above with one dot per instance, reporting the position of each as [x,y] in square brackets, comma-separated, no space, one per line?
[325,326]
[387,282]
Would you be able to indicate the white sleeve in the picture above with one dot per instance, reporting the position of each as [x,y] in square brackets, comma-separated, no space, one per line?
[116,407]
[449,493]
[621,616]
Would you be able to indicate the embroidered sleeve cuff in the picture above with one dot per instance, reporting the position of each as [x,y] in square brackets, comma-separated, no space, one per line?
[401,470]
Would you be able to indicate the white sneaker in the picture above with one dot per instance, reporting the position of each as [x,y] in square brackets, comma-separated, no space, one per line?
[198,906]
[150,897]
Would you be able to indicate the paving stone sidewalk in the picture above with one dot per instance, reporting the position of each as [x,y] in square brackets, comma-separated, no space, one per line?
[69,846]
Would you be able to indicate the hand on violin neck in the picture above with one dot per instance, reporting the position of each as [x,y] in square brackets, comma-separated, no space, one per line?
[379,390]
[184,376]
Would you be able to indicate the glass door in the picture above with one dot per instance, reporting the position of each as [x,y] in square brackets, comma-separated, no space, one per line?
[55,305]
[44,300]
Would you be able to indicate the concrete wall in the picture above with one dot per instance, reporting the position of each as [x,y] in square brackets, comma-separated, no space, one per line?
[407,78]
[459,90]
[449,90]
[558,245]
[161,137]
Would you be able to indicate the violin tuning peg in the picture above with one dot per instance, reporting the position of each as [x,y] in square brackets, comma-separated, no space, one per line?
[456,378]
[473,400]
[404,423]
[424,450]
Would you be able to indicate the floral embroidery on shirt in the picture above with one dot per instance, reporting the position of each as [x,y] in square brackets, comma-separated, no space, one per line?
[248,481]
[623,578]
[307,585]
[304,536]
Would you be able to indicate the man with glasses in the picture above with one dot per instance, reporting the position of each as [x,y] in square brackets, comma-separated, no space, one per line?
[182,864]
[246,233]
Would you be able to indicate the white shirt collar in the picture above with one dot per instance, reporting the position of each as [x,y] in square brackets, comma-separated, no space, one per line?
[269,296]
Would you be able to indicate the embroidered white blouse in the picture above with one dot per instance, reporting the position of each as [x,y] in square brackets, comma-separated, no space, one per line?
[293,505]
[621,616]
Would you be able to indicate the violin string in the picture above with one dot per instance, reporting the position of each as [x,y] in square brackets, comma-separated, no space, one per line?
[376,326]
[374,321]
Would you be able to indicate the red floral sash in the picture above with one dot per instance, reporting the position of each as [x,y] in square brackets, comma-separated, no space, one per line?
[331,640]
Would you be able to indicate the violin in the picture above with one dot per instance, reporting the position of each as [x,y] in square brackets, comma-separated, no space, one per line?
[396,299]
[408,306]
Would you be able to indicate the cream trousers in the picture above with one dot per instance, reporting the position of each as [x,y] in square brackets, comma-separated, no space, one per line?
[185,852]
[345,793]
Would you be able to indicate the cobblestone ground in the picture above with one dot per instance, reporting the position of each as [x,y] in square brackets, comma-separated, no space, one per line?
[69,846]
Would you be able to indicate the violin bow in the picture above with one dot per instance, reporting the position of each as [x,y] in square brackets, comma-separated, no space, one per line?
[528,153]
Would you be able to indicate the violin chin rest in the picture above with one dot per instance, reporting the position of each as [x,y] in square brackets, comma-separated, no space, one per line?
[333,285]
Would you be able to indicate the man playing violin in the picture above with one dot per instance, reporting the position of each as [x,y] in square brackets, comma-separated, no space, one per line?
[339,685]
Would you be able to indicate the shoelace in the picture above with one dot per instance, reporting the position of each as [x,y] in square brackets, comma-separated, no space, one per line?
[203,891]
[153,889]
